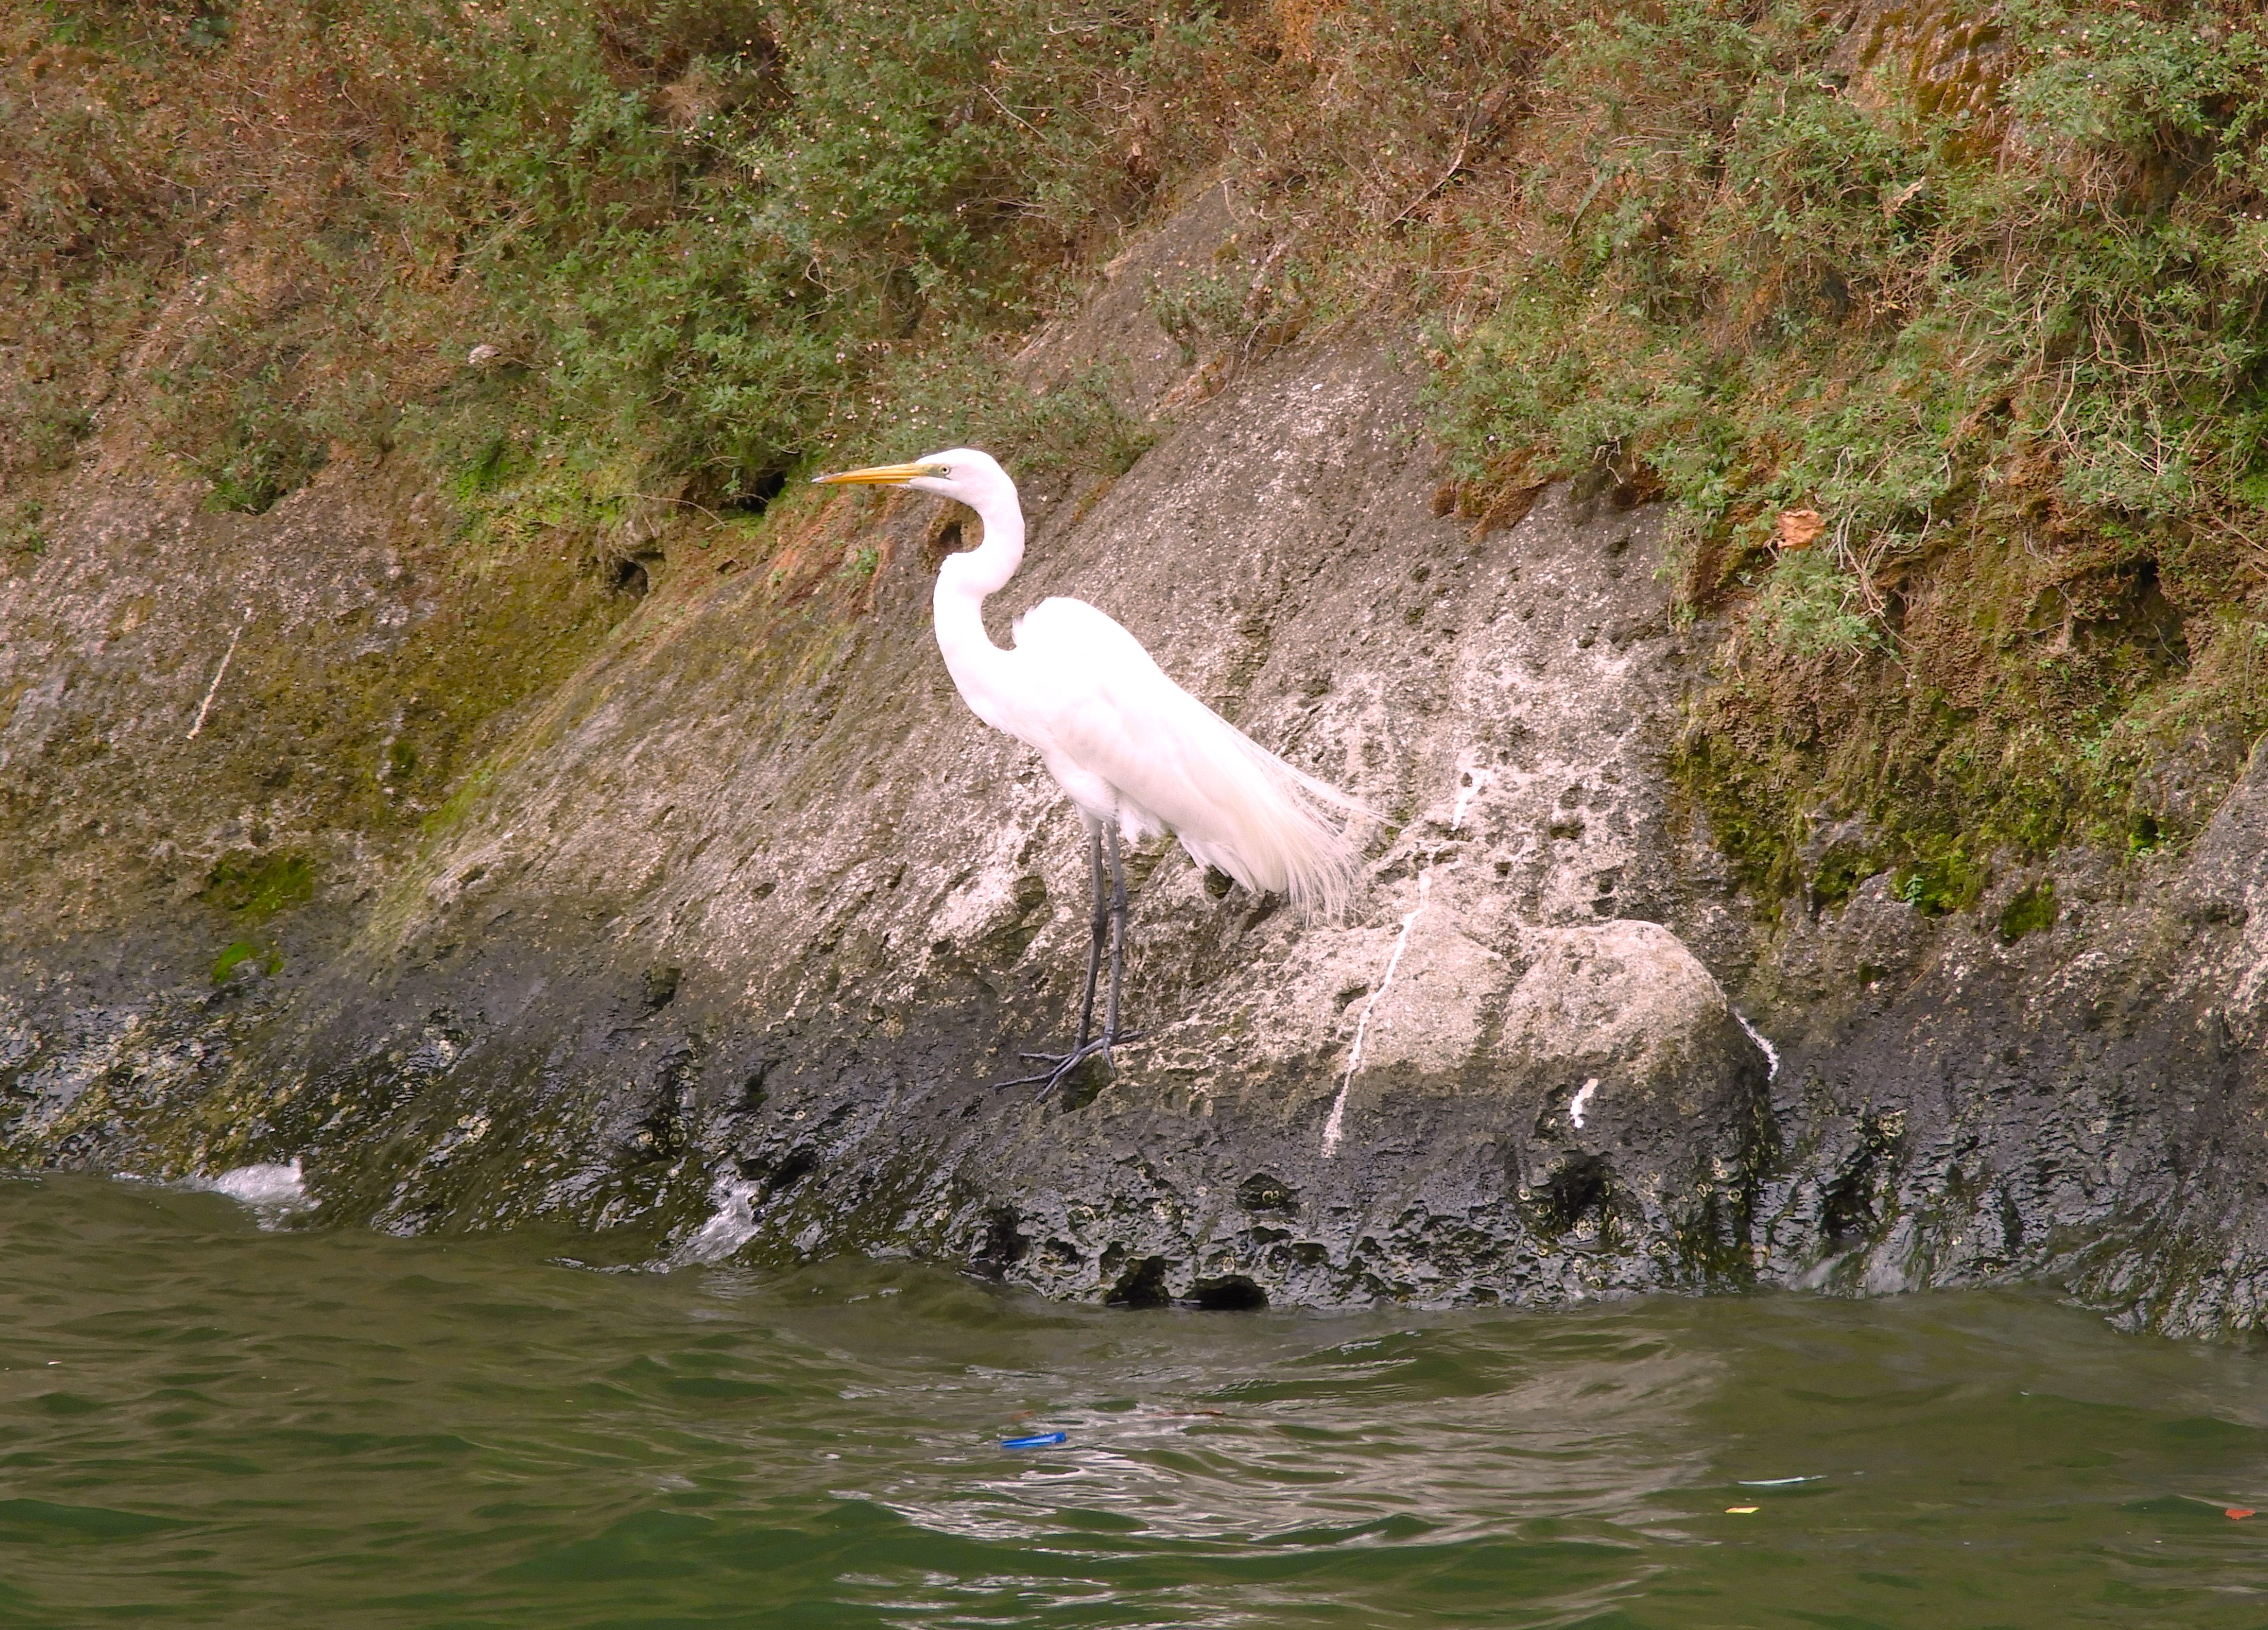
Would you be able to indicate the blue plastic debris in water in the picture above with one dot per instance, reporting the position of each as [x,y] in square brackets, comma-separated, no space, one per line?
[1037,1440]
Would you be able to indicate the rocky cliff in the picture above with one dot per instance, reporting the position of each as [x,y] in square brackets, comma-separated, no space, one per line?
[679,889]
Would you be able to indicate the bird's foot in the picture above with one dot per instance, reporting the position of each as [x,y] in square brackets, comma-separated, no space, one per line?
[1060,1065]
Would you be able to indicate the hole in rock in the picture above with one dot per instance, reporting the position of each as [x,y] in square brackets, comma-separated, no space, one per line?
[1000,1247]
[1846,1209]
[942,538]
[1234,1293]
[659,987]
[1060,1255]
[630,577]
[778,1176]
[1265,1191]
[1141,1286]
[758,495]
[1581,1187]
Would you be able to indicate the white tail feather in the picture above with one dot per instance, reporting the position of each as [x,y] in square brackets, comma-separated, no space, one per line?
[1272,825]
[1126,740]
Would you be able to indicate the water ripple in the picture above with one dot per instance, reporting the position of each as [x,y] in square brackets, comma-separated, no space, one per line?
[210,1423]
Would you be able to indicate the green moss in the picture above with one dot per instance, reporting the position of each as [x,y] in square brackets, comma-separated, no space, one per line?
[265,452]
[1840,871]
[1750,815]
[499,459]
[257,885]
[241,951]
[2029,912]
[1948,880]
[459,803]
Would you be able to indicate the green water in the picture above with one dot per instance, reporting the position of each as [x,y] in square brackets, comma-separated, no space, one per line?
[203,1423]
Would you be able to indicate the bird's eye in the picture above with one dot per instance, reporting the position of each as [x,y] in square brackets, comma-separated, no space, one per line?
[940,470]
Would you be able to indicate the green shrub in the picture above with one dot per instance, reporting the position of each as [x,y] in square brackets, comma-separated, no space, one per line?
[1811,605]
[697,239]
[2001,322]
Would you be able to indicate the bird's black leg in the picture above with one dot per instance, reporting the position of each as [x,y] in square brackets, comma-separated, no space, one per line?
[1098,925]
[1108,919]
[1118,946]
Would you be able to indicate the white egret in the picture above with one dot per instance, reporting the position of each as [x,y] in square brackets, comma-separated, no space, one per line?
[1138,754]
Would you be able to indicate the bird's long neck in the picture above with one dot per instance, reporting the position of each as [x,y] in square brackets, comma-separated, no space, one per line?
[957,603]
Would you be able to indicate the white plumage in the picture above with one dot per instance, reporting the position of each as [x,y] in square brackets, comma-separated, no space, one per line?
[1131,747]
[1138,754]
[1126,742]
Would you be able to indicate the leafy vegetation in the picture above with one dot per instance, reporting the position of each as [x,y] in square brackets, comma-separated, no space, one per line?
[581,255]
[1983,287]
[1980,282]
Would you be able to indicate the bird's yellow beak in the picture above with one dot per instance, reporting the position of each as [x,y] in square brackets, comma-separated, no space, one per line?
[878,476]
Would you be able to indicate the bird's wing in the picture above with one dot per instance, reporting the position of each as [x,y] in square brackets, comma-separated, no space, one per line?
[1109,708]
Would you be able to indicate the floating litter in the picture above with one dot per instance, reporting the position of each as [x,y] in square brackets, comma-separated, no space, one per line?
[1776,1482]
[1038,1440]
[1742,1510]
[2237,1514]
